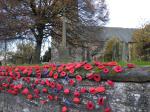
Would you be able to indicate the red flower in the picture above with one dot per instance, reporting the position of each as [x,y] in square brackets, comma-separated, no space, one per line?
[59,87]
[118,69]
[55,76]
[71,71]
[51,73]
[100,89]
[43,101]
[37,81]
[42,82]
[52,84]
[107,109]
[78,78]
[63,73]
[25,91]
[36,91]
[92,90]
[113,63]
[130,65]
[101,66]
[83,90]
[29,96]
[60,69]
[71,82]
[76,100]
[50,97]
[90,105]
[66,91]
[44,90]
[5,85]
[100,101]
[76,94]
[97,77]
[106,70]
[90,76]
[87,66]
[64,109]
[110,83]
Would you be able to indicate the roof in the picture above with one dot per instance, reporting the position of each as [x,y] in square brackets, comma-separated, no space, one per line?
[125,34]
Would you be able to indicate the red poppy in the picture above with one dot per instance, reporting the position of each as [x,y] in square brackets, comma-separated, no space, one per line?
[76,94]
[118,69]
[78,78]
[52,84]
[83,90]
[36,91]
[59,87]
[50,97]
[101,66]
[100,101]
[42,82]
[44,90]
[71,82]
[106,70]
[55,76]
[90,105]
[64,109]
[25,91]
[92,90]
[90,76]
[97,77]
[36,81]
[43,102]
[60,69]
[100,89]
[76,100]
[113,63]
[66,91]
[56,98]
[130,65]
[63,73]
[71,71]
[87,66]
[107,109]
[29,96]
[110,83]
[51,73]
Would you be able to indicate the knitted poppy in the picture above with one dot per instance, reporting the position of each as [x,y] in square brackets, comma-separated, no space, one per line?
[50,97]
[51,73]
[42,82]
[106,70]
[43,102]
[44,90]
[29,96]
[101,66]
[64,109]
[76,100]
[76,93]
[83,90]
[90,76]
[130,65]
[110,83]
[63,73]
[71,82]
[118,69]
[78,78]
[59,87]
[92,90]
[113,63]
[100,89]
[87,66]
[25,91]
[36,91]
[55,76]
[97,77]
[60,69]
[52,84]
[100,101]
[107,109]
[71,71]
[90,105]
[66,91]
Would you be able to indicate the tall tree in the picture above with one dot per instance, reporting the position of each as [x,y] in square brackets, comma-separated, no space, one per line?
[41,17]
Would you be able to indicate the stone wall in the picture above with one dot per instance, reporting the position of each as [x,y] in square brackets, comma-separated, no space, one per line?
[124,97]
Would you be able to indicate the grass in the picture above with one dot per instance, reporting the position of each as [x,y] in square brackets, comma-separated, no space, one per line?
[138,63]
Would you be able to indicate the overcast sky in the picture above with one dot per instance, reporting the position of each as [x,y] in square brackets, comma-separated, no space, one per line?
[128,13]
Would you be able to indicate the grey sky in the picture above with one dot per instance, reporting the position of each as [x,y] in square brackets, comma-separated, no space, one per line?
[128,13]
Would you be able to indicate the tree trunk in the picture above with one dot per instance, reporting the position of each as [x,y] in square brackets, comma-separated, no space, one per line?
[38,51]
